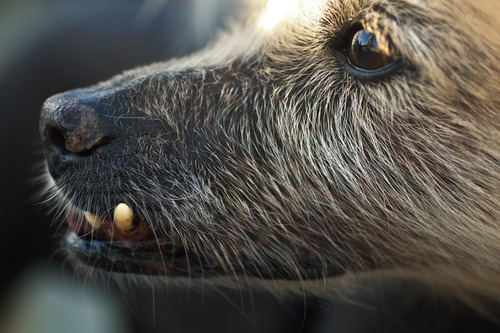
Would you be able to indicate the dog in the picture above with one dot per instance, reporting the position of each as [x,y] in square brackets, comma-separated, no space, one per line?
[314,144]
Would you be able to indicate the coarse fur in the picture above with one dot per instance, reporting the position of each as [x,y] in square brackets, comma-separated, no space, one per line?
[268,156]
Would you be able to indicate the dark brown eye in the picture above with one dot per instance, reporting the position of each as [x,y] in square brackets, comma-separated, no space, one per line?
[365,53]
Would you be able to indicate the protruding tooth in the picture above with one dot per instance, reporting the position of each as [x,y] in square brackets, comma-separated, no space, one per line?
[92,219]
[123,217]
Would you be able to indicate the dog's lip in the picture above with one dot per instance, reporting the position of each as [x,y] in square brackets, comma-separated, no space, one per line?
[141,252]
[145,257]
[105,230]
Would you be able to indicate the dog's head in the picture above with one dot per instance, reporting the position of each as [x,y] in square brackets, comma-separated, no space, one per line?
[314,139]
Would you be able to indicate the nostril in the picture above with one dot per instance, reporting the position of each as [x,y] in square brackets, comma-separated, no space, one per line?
[55,138]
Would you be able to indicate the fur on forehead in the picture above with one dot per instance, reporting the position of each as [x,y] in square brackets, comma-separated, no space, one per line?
[265,23]
[379,16]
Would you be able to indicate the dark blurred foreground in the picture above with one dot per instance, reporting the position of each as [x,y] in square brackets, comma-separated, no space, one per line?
[51,46]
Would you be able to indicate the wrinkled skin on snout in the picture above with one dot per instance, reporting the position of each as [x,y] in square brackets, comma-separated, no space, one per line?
[273,154]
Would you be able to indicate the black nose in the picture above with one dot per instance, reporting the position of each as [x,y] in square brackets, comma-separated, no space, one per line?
[69,129]
[85,126]
[67,126]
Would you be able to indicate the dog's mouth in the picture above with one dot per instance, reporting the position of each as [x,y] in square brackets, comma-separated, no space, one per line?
[122,243]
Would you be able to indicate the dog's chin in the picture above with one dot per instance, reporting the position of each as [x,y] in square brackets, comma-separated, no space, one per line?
[142,251]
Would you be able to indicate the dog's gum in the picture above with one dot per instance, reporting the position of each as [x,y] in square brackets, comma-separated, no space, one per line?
[92,219]
[123,217]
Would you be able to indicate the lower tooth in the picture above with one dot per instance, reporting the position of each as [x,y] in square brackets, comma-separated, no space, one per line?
[123,217]
[92,219]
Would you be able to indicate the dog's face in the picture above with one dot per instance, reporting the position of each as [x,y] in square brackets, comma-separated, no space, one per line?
[317,138]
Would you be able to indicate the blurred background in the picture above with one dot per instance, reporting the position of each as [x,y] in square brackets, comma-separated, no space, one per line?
[49,46]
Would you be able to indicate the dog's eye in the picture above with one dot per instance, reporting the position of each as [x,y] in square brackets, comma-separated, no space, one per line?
[364,52]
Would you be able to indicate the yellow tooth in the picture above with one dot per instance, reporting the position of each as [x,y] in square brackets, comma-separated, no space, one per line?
[92,219]
[123,217]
